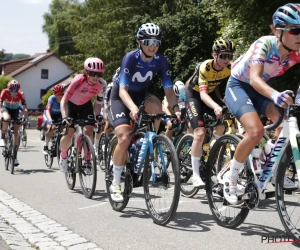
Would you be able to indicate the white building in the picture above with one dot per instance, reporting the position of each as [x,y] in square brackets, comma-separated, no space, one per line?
[37,74]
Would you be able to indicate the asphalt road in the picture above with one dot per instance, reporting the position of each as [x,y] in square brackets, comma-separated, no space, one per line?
[194,228]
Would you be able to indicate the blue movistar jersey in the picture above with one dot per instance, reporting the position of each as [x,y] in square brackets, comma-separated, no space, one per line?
[53,105]
[136,74]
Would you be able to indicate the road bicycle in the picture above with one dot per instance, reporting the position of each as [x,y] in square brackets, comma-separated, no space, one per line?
[53,148]
[253,187]
[81,159]
[9,151]
[154,166]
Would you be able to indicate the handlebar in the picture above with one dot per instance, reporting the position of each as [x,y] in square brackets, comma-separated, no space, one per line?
[279,120]
[142,114]
[210,121]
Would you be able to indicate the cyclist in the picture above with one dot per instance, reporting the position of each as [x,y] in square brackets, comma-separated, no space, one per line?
[204,97]
[130,91]
[76,104]
[52,113]
[178,89]
[247,92]
[9,105]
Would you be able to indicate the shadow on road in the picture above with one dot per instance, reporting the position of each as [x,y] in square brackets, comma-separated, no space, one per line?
[20,171]
[28,149]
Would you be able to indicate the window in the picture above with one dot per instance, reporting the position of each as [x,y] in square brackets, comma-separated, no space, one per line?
[44,74]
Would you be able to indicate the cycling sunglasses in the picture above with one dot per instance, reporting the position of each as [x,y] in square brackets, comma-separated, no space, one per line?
[295,31]
[149,42]
[225,56]
[13,90]
[93,73]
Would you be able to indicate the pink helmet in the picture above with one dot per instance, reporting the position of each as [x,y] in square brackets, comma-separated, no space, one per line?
[94,64]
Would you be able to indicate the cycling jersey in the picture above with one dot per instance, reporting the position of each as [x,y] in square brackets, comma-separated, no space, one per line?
[210,78]
[53,105]
[12,102]
[263,51]
[80,92]
[136,74]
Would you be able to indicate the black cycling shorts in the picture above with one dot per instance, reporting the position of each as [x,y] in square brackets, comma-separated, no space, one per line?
[196,108]
[81,112]
[119,112]
[13,113]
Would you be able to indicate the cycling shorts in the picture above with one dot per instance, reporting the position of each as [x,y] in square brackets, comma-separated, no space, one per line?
[196,108]
[119,112]
[55,118]
[81,112]
[13,113]
[242,98]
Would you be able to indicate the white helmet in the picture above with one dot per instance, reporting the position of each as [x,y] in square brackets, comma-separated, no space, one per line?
[178,87]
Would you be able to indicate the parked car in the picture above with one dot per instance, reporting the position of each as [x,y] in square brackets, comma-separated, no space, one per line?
[40,125]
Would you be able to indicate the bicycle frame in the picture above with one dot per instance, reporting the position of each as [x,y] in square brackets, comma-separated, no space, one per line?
[148,144]
[288,134]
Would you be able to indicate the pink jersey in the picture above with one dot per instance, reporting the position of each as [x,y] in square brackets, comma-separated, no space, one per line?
[80,92]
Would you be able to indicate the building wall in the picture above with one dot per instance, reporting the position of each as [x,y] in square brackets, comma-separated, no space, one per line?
[32,83]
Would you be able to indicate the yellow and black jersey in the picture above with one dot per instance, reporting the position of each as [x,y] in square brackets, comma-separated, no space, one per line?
[209,78]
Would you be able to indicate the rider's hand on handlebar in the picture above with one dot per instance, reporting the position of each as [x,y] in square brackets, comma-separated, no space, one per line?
[283,99]
[134,114]
[178,114]
[218,112]
[67,121]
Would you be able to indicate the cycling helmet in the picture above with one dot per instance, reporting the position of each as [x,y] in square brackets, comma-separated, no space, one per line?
[58,89]
[94,64]
[149,31]
[223,45]
[178,87]
[287,14]
[13,85]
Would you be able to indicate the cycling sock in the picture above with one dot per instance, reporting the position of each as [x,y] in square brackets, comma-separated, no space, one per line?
[47,140]
[235,167]
[117,174]
[63,153]
[196,165]
[96,143]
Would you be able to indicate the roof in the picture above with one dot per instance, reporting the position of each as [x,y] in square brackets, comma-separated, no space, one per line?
[15,67]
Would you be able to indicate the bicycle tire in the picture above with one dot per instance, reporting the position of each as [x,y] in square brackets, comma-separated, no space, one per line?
[24,138]
[101,153]
[216,157]
[48,157]
[12,155]
[178,138]
[117,206]
[6,157]
[284,199]
[186,173]
[70,175]
[88,191]
[110,137]
[159,216]
[58,148]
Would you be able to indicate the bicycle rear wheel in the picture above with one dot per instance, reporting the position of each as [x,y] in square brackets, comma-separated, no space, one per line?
[225,214]
[162,189]
[70,175]
[117,206]
[88,171]
[288,202]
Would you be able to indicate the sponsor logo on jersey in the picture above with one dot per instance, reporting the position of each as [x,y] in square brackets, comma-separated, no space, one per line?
[193,109]
[120,115]
[139,78]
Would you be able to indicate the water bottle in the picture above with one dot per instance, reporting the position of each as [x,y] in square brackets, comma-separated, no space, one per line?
[266,151]
[131,153]
[256,152]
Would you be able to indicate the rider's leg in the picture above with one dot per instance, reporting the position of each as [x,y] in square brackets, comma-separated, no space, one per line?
[153,106]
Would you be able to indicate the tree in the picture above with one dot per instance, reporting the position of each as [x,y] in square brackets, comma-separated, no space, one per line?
[4,81]
[46,97]
[56,26]
[2,55]
[20,56]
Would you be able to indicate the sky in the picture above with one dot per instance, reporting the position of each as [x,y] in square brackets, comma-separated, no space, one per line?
[21,24]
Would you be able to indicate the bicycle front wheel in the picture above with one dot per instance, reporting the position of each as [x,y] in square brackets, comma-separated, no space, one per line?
[70,175]
[162,186]
[49,157]
[101,151]
[12,154]
[287,196]
[88,170]
[225,214]
[24,138]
